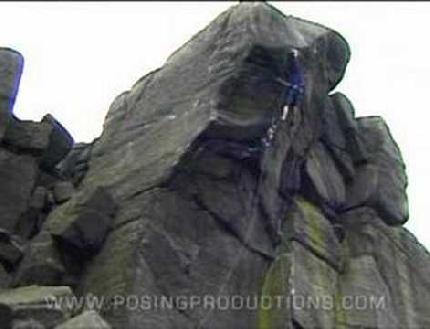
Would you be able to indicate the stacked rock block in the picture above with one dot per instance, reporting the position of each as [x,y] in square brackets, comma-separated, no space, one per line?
[34,264]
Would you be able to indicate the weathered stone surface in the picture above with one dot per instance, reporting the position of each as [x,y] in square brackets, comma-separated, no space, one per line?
[341,135]
[112,273]
[75,165]
[27,324]
[5,316]
[144,150]
[174,163]
[61,142]
[373,305]
[402,264]
[231,201]
[31,221]
[226,62]
[5,118]
[15,171]
[277,283]
[11,65]
[29,136]
[35,302]
[47,139]
[87,320]
[4,277]
[229,99]
[10,250]
[307,225]
[185,194]
[38,198]
[82,223]
[42,263]
[314,283]
[63,191]
[382,182]
[325,183]
[177,246]
[345,114]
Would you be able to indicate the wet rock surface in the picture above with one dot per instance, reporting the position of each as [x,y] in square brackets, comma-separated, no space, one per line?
[184,194]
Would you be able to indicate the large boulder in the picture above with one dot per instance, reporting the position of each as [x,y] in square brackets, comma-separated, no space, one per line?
[382,181]
[4,277]
[27,324]
[324,182]
[198,192]
[30,223]
[11,65]
[383,282]
[75,165]
[307,225]
[203,203]
[48,305]
[18,175]
[11,250]
[341,135]
[86,320]
[81,225]
[276,286]
[28,136]
[5,316]
[48,139]
[42,263]
[60,143]
[313,280]
[389,264]
[5,119]
[364,279]
[63,191]
[231,92]
[165,242]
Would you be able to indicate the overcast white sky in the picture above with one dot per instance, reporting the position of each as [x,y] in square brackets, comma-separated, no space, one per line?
[79,56]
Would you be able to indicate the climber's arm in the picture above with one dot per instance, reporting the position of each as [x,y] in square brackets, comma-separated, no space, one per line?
[283,82]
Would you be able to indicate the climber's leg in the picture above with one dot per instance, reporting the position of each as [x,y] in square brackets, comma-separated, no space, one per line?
[288,102]
[285,112]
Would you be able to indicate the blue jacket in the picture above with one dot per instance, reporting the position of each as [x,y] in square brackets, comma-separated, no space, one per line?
[295,74]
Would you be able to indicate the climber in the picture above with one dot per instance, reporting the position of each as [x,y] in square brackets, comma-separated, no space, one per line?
[292,95]
[294,86]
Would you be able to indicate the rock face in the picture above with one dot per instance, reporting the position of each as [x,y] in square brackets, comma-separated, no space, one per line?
[11,64]
[34,302]
[89,319]
[183,214]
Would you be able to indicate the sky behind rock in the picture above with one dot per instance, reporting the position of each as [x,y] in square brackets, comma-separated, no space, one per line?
[79,56]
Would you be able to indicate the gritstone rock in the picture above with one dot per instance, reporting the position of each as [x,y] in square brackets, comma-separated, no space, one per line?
[11,64]
[41,264]
[33,302]
[88,319]
[47,139]
[15,170]
[184,195]
[27,324]
[82,223]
